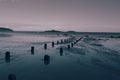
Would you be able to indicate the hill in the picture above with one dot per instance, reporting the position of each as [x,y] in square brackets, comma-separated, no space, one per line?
[5,29]
[53,31]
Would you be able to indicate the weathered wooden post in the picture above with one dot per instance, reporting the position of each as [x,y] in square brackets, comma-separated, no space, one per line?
[45,46]
[53,44]
[46,59]
[32,49]
[72,44]
[61,41]
[7,56]
[11,77]
[68,46]
[76,41]
[57,42]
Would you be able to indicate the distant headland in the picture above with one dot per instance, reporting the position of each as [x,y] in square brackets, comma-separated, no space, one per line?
[5,30]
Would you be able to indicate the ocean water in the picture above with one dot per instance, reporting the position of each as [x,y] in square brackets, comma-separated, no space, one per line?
[94,57]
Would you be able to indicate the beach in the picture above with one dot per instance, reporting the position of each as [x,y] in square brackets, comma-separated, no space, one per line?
[93,57]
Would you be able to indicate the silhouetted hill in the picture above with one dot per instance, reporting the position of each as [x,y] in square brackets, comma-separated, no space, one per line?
[71,32]
[53,31]
[5,29]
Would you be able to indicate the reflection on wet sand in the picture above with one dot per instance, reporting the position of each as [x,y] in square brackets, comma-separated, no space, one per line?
[7,60]
[11,77]
[61,54]
[61,51]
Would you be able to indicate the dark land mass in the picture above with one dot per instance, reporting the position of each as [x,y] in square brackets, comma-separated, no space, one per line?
[5,30]
[59,32]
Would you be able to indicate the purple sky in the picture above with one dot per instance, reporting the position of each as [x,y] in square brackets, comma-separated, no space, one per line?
[78,15]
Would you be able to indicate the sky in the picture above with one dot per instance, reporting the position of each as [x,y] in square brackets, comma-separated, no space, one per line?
[65,15]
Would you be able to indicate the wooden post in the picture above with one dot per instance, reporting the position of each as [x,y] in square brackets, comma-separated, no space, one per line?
[53,44]
[76,41]
[46,59]
[68,46]
[7,57]
[11,77]
[32,50]
[45,46]
[57,42]
[72,44]
[61,41]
